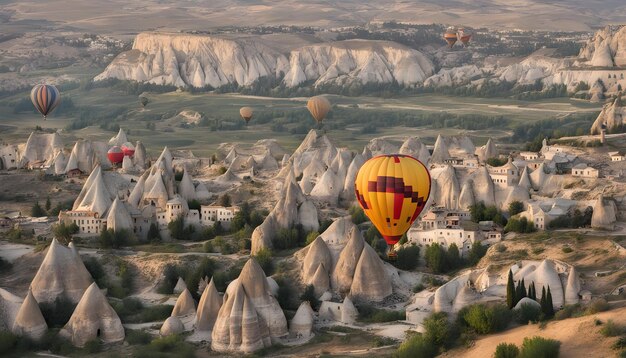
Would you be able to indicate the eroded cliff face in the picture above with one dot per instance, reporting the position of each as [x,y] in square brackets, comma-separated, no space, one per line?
[607,48]
[195,60]
[202,60]
[364,61]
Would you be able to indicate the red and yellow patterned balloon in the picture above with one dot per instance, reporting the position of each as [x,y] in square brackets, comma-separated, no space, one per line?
[392,190]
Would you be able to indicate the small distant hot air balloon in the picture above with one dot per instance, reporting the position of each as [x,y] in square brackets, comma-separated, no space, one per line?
[450,36]
[464,36]
[144,101]
[392,190]
[319,106]
[115,155]
[45,98]
[246,114]
[128,149]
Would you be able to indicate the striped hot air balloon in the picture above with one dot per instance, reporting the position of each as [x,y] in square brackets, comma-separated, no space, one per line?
[392,190]
[450,36]
[45,98]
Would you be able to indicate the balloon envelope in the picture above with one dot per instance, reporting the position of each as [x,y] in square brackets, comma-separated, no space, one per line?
[392,190]
[246,113]
[45,98]
[128,149]
[115,155]
[319,106]
[450,36]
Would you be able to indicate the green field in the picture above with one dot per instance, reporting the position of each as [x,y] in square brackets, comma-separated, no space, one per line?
[15,127]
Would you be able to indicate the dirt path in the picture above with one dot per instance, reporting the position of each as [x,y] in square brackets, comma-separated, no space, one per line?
[579,337]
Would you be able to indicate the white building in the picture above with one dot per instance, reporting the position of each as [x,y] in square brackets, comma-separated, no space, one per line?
[529,155]
[88,222]
[584,171]
[446,227]
[617,156]
[505,176]
[211,213]
[541,213]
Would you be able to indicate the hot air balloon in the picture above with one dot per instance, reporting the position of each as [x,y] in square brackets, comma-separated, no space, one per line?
[392,190]
[128,149]
[465,37]
[115,155]
[45,98]
[246,114]
[319,106]
[450,36]
[144,101]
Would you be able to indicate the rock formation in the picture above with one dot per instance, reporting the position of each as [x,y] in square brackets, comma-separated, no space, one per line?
[140,158]
[328,188]
[527,301]
[61,274]
[302,322]
[544,275]
[371,281]
[379,146]
[93,318]
[185,305]
[466,197]
[446,191]
[29,321]
[524,180]
[250,317]
[605,48]
[348,186]
[572,288]
[186,189]
[119,139]
[118,217]
[604,214]
[487,151]
[180,286]
[10,305]
[94,195]
[539,177]
[208,308]
[343,273]
[484,189]
[172,325]
[440,151]
[612,116]
[41,147]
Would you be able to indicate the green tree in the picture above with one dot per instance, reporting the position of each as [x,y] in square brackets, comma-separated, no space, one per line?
[48,204]
[264,258]
[544,302]
[510,291]
[224,200]
[64,232]
[515,207]
[417,346]
[154,235]
[438,330]
[408,257]
[476,253]
[532,291]
[549,304]
[435,258]
[506,350]
[539,347]
[37,211]
[453,257]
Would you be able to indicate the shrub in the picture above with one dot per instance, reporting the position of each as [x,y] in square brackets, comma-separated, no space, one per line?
[8,342]
[57,313]
[527,313]
[438,330]
[501,248]
[597,305]
[369,314]
[93,346]
[567,249]
[515,207]
[506,350]
[264,258]
[619,344]
[311,237]
[408,257]
[538,347]
[416,346]
[64,232]
[486,319]
[611,329]
[97,272]
[173,344]
[286,296]
[5,266]
[309,295]
[134,337]
[358,215]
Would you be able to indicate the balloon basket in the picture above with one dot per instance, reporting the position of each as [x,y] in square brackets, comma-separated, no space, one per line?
[392,256]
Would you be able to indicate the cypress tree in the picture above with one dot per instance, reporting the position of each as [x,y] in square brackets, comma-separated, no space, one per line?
[510,291]
[523,289]
[550,306]
[542,302]
[532,293]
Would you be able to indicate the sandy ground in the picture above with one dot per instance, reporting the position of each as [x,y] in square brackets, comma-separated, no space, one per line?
[11,252]
[579,337]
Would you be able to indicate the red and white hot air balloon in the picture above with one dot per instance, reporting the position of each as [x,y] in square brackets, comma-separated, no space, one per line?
[115,155]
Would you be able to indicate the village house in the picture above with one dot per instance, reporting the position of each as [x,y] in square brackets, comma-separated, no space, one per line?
[584,171]
[617,156]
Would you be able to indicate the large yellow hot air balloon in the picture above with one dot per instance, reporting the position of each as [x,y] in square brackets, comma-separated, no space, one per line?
[392,190]
[246,114]
[319,106]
